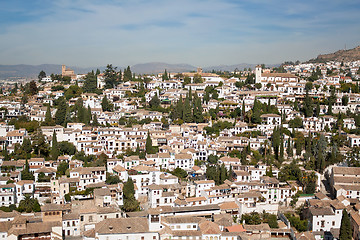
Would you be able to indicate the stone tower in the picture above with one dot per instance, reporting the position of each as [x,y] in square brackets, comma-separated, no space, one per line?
[258,74]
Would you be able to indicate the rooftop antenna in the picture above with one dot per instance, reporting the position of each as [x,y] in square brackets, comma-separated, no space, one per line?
[345,46]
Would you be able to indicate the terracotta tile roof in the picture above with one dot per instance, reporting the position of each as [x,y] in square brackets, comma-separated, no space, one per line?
[236,228]
[228,206]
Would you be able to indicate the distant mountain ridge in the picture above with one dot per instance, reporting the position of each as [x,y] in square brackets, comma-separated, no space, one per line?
[32,71]
[341,55]
[159,67]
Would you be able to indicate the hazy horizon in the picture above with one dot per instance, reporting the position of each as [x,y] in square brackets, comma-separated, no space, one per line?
[200,33]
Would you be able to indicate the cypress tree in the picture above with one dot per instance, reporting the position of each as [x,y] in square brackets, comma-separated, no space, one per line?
[276,141]
[130,203]
[26,148]
[90,83]
[223,174]
[48,118]
[255,118]
[148,146]
[87,117]
[26,174]
[230,174]
[179,109]
[6,154]
[106,105]
[243,111]
[198,116]
[332,100]
[60,115]
[308,108]
[296,105]
[81,114]
[95,121]
[317,109]
[330,108]
[187,114]
[289,150]
[281,148]
[165,76]
[127,74]
[54,148]
[345,228]
[110,76]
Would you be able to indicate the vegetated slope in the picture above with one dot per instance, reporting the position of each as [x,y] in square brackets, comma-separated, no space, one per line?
[341,55]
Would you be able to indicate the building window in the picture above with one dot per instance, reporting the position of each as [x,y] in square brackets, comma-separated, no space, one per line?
[155,218]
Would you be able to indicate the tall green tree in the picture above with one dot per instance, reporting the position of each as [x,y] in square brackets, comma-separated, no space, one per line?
[130,203]
[41,75]
[320,150]
[179,108]
[39,143]
[187,112]
[26,174]
[308,106]
[111,76]
[197,78]
[127,74]
[276,141]
[317,109]
[73,91]
[5,153]
[289,149]
[332,100]
[148,145]
[165,76]
[106,105]
[63,166]
[61,112]
[345,100]
[197,110]
[90,83]
[154,102]
[87,116]
[95,121]
[49,121]
[345,227]
[80,110]
[223,173]
[282,147]
[255,118]
[54,148]
[33,89]
[26,148]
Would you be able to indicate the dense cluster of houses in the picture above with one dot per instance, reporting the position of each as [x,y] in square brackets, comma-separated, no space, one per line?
[173,208]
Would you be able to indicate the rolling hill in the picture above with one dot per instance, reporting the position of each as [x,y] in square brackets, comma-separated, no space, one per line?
[341,55]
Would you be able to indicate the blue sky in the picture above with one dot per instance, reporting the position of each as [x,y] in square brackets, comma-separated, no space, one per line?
[90,33]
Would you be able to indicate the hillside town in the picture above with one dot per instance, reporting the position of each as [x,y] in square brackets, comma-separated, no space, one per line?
[263,153]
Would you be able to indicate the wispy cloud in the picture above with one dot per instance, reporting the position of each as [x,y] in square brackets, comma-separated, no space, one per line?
[97,32]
